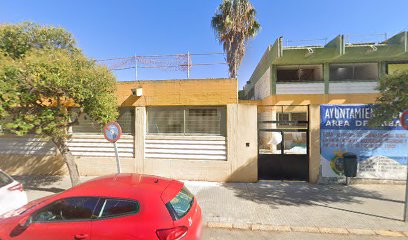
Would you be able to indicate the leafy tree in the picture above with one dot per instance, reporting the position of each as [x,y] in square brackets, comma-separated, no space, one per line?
[241,95]
[42,74]
[234,24]
[393,99]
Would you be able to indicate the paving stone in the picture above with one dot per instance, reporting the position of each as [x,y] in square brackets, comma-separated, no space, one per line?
[305,229]
[268,227]
[242,226]
[333,230]
[361,231]
[387,233]
[219,225]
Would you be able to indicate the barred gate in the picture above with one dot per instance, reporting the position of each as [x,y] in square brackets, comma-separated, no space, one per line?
[283,138]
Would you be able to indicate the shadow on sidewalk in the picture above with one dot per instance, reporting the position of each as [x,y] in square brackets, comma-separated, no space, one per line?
[40,183]
[278,193]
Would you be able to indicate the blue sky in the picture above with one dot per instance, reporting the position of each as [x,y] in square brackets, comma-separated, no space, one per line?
[107,29]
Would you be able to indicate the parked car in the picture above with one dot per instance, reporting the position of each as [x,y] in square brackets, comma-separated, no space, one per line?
[121,206]
[12,195]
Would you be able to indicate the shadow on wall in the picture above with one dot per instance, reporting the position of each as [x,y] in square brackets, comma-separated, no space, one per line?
[245,173]
[130,101]
[276,193]
[15,164]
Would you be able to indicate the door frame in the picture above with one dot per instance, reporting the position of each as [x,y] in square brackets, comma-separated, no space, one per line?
[280,158]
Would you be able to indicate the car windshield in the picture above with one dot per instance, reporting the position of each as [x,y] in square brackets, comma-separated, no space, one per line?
[4,179]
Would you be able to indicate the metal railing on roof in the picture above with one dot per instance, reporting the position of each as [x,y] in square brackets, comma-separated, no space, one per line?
[166,62]
[305,43]
[365,39]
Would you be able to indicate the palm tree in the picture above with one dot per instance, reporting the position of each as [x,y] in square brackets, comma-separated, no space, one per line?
[234,24]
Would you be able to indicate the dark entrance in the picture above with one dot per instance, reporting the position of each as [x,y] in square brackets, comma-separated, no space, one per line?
[283,136]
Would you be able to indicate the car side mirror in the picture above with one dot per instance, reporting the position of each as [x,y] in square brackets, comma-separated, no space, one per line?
[27,222]
[22,226]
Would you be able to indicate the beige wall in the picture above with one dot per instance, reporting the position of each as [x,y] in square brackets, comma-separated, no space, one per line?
[241,164]
[18,164]
[314,143]
[306,99]
[244,143]
[192,92]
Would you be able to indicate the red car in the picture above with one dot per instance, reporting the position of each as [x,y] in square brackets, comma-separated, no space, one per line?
[122,206]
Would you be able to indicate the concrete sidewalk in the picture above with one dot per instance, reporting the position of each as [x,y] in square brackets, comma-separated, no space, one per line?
[284,206]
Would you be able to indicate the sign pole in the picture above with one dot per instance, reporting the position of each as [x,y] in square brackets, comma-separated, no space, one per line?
[406,199]
[117,157]
[404,124]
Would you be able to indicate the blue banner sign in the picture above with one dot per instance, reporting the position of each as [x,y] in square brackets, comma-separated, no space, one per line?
[382,151]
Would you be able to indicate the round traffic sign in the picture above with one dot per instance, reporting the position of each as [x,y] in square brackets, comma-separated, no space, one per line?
[112,131]
[404,119]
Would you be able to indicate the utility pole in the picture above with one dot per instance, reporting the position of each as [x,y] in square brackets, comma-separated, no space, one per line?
[404,124]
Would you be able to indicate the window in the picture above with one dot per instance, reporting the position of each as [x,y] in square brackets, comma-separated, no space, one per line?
[126,120]
[292,119]
[186,120]
[165,120]
[302,73]
[295,142]
[180,204]
[292,143]
[115,207]
[396,67]
[206,121]
[70,209]
[85,124]
[4,180]
[355,71]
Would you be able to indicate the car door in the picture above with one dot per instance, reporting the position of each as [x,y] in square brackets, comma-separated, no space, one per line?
[64,219]
[119,219]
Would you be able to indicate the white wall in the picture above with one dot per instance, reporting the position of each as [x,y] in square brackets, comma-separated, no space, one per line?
[263,86]
[185,147]
[300,88]
[79,145]
[353,87]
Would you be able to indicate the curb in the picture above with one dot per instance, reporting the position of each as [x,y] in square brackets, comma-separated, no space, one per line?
[324,230]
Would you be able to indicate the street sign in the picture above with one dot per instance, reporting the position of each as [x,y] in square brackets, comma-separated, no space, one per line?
[112,132]
[404,119]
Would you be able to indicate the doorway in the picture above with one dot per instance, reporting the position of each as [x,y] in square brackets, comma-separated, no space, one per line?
[283,138]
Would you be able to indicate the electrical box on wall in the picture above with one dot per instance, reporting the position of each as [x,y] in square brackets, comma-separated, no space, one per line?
[137,91]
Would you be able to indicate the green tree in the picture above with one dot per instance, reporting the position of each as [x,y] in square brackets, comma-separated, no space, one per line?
[234,24]
[42,74]
[393,99]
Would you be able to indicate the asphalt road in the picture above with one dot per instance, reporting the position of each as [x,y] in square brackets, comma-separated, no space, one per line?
[225,234]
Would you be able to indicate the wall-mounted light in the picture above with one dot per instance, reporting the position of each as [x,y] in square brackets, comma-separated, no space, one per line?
[310,51]
[138,92]
[372,49]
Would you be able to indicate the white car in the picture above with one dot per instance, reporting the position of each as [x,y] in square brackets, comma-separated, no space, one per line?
[12,194]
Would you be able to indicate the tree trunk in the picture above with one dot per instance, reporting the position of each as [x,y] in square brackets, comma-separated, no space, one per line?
[69,161]
[72,168]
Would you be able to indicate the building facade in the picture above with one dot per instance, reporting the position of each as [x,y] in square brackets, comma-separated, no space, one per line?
[290,84]
[184,129]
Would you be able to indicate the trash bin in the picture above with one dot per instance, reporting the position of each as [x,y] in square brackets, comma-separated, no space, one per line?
[350,165]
